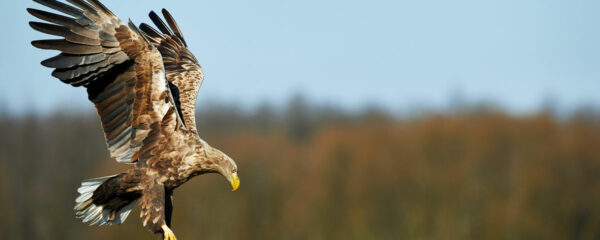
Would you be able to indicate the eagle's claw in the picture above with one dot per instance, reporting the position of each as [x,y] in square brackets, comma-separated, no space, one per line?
[168,233]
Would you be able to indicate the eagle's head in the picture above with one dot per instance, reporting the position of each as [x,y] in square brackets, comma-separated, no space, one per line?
[219,162]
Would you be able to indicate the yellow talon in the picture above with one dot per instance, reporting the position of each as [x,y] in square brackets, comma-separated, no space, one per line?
[235,181]
[168,233]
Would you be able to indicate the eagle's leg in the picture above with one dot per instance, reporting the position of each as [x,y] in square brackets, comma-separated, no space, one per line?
[153,212]
[168,207]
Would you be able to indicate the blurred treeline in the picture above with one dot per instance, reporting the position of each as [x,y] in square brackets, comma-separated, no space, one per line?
[313,172]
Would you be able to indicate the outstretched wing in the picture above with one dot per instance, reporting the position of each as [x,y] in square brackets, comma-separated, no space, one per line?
[122,72]
[183,71]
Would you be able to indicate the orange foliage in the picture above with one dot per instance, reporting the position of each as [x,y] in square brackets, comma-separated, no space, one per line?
[458,176]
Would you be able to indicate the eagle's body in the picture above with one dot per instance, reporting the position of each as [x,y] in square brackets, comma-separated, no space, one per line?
[143,84]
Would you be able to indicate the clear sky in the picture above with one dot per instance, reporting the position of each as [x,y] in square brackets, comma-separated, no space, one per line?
[397,54]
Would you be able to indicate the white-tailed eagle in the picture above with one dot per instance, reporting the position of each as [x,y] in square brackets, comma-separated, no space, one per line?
[143,83]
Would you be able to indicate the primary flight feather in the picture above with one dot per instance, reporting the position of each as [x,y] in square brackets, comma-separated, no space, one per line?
[143,83]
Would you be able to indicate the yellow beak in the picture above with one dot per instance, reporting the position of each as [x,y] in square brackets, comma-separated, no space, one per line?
[235,181]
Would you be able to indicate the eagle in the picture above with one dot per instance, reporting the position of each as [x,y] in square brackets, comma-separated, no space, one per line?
[143,83]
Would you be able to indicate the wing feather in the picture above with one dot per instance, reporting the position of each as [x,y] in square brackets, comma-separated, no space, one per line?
[174,26]
[61,7]
[64,32]
[67,47]
[68,61]
[160,24]
[86,7]
[122,72]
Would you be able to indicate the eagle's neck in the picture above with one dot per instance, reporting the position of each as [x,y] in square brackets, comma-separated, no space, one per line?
[200,159]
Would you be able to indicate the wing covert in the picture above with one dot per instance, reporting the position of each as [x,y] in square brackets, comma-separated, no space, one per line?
[182,68]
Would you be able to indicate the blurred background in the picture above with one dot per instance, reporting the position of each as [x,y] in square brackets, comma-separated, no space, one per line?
[348,120]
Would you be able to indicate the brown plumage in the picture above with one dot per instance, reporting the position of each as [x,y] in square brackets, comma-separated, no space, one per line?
[143,84]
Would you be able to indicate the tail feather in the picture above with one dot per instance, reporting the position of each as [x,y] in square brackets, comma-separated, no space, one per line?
[90,211]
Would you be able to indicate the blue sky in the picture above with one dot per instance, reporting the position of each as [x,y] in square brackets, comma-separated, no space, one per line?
[398,54]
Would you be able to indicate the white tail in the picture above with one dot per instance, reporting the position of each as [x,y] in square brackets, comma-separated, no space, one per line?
[94,214]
